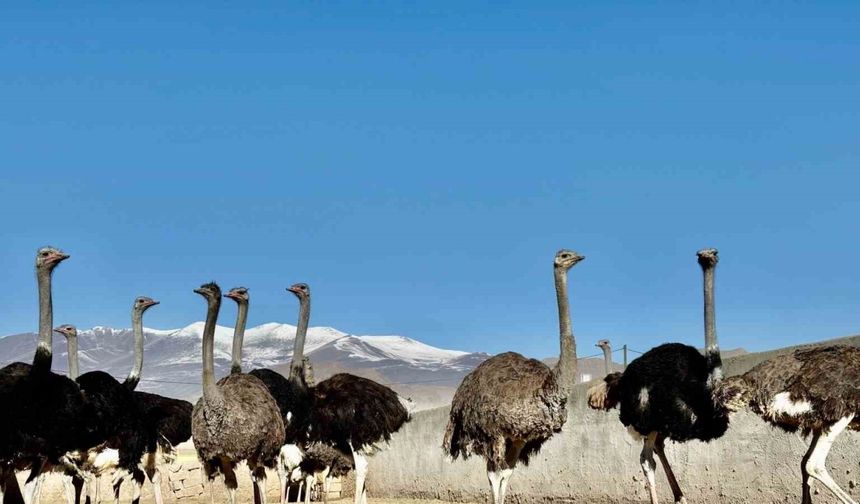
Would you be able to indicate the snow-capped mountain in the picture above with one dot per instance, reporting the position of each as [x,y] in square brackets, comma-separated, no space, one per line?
[172,358]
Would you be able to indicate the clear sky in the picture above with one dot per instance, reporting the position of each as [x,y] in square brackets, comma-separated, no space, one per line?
[419,164]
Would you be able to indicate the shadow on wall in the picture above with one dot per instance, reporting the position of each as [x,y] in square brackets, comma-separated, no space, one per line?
[594,460]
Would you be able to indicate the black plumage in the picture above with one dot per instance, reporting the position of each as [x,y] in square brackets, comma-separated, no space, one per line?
[116,416]
[351,412]
[167,420]
[666,390]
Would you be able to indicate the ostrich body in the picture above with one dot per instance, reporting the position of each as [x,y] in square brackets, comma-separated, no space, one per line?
[236,419]
[667,393]
[607,355]
[291,394]
[812,390]
[510,405]
[45,414]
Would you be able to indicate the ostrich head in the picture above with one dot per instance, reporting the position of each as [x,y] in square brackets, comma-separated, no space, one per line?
[566,259]
[67,330]
[210,291]
[238,294]
[143,303]
[301,290]
[48,258]
[733,393]
[708,258]
[604,343]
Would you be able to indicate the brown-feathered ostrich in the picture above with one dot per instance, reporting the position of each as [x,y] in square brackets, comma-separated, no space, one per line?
[667,393]
[510,405]
[45,415]
[236,419]
[607,354]
[291,394]
[812,390]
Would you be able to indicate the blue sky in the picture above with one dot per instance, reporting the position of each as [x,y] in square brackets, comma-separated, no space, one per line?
[419,164]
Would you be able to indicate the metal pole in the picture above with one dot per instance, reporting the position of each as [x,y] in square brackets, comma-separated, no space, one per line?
[625,356]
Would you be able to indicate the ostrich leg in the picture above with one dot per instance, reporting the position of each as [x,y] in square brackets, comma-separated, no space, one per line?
[309,482]
[230,480]
[259,476]
[282,482]
[804,473]
[815,463]
[360,477]
[68,489]
[154,475]
[659,446]
[137,478]
[299,493]
[649,466]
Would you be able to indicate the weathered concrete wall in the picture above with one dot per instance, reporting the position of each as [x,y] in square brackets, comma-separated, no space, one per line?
[595,461]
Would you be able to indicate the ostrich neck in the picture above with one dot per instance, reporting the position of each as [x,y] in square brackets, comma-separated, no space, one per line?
[73,357]
[211,393]
[712,348]
[239,337]
[43,357]
[297,364]
[137,325]
[566,367]
[607,358]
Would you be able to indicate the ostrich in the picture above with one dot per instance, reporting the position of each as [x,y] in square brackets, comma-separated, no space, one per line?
[319,462]
[812,390]
[607,354]
[667,392]
[116,409]
[510,405]
[291,394]
[45,414]
[166,422]
[236,419]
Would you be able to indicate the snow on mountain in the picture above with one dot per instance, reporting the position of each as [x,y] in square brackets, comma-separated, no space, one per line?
[172,360]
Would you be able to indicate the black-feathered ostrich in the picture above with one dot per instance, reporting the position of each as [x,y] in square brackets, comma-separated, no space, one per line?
[352,414]
[166,422]
[45,415]
[510,405]
[812,390]
[236,419]
[291,394]
[667,393]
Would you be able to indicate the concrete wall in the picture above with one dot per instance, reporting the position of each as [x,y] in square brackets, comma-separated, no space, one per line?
[594,460]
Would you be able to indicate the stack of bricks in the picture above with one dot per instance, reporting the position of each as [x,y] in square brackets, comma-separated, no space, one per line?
[185,482]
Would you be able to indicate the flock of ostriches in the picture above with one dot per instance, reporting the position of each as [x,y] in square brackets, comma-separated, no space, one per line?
[85,425]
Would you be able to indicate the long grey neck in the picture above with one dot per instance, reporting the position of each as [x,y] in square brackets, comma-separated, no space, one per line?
[43,357]
[211,393]
[565,369]
[297,364]
[239,337]
[607,358]
[73,356]
[712,348]
[137,325]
